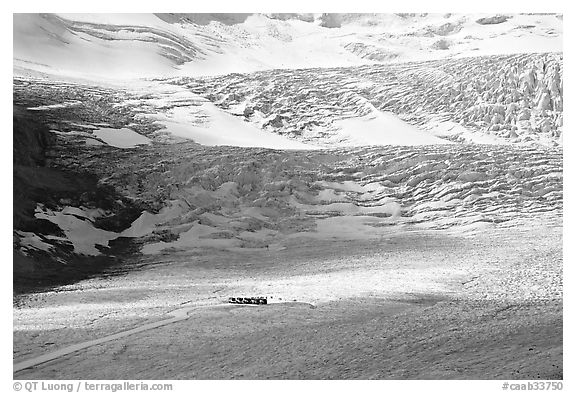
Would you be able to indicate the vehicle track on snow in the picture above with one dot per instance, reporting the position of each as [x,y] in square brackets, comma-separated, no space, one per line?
[177,315]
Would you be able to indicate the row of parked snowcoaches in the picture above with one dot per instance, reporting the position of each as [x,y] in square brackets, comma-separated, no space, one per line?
[248,300]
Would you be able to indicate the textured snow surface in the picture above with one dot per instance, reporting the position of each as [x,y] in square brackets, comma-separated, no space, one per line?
[387,180]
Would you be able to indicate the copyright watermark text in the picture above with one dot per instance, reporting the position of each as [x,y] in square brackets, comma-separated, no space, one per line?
[532,386]
[86,386]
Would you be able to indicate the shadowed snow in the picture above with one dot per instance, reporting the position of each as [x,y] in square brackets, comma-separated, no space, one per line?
[122,138]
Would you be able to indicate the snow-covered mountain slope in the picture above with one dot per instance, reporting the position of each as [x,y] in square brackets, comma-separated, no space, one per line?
[120,46]
[249,131]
